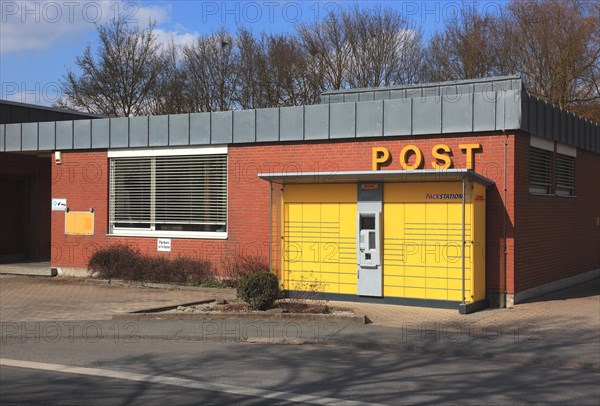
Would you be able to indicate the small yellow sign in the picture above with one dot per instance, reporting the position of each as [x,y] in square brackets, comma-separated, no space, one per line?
[79,223]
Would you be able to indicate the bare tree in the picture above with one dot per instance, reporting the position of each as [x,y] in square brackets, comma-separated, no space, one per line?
[286,74]
[555,46]
[251,62]
[385,47]
[210,67]
[327,45]
[168,96]
[119,78]
[363,47]
[466,49]
[273,71]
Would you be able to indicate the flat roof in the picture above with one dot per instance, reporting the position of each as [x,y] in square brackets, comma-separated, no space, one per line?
[49,109]
[476,106]
[398,176]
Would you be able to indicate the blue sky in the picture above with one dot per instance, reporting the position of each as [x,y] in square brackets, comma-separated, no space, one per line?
[39,39]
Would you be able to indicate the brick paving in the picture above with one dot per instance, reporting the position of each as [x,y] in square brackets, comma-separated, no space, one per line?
[570,313]
[24,298]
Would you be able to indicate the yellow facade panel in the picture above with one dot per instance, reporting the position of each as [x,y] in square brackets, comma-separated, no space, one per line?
[455,284]
[436,283]
[348,288]
[393,291]
[393,270]
[348,278]
[435,272]
[437,294]
[415,293]
[389,280]
[344,193]
[330,277]
[454,295]
[414,282]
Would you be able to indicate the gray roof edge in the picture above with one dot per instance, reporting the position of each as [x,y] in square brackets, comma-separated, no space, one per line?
[49,108]
[447,175]
[540,100]
[432,115]
[422,85]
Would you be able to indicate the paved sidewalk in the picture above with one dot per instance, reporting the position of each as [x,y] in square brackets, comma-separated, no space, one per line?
[561,329]
[24,298]
[569,313]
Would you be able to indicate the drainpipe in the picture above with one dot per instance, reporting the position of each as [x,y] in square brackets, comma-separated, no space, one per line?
[463,240]
[270,227]
[505,248]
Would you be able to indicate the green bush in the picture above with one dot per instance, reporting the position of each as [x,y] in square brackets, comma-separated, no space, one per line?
[260,290]
[121,261]
[236,266]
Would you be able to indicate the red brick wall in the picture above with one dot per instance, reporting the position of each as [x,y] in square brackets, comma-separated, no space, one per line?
[83,179]
[557,237]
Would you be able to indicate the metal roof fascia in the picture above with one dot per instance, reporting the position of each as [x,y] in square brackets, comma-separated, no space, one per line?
[422,175]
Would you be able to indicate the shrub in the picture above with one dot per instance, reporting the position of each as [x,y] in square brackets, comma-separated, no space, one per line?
[121,261]
[118,261]
[306,296]
[260,290]
[238,266]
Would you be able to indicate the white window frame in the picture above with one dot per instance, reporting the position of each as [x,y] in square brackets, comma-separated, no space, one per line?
[161,152]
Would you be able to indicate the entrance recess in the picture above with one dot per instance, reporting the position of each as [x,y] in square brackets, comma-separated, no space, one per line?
[25,182]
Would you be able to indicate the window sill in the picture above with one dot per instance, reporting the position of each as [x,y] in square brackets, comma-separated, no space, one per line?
[169,234]
[542,194]
[567,196]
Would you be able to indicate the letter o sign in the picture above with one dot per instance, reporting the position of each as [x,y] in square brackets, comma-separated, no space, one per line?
[404,157]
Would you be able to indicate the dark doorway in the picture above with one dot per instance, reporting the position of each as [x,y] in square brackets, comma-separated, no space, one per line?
[25,194]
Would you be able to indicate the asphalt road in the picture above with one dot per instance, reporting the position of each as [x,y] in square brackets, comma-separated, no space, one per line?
[113,371]
[21,386]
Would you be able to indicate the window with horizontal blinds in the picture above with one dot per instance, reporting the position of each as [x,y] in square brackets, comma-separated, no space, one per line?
[130,192]
[540,170]
[565,175]
[185,193]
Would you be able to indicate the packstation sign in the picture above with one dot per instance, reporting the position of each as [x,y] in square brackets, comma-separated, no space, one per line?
[441,154]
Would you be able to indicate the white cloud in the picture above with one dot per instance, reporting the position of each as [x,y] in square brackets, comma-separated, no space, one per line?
[179,38]
[40,25]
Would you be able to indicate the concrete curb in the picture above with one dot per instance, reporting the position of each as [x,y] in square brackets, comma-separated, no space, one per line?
[27,269]
[289,317]
[29,272]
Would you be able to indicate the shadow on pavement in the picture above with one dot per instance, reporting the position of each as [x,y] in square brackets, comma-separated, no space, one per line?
[586,289]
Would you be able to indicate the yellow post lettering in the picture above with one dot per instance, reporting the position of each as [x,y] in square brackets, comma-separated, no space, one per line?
[404,157]
[380,156]
[441,156]
[470,153]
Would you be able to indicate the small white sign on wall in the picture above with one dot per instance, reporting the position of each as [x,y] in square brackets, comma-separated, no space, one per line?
[59,204]
[163,244]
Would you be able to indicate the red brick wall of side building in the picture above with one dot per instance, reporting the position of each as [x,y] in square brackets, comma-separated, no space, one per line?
[83,179]
[557,237]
